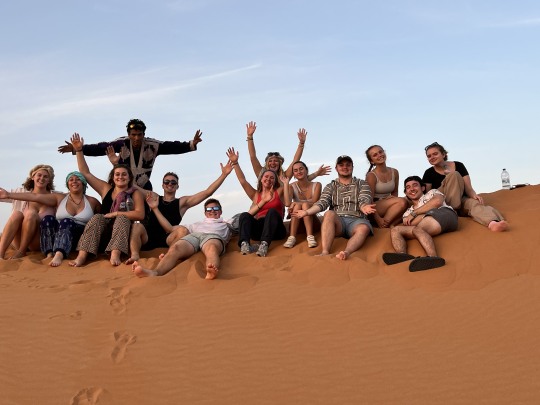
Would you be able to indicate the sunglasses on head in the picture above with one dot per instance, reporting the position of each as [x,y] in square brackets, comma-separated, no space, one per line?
[273,154]
[433,145]
[171,182]
[210,209]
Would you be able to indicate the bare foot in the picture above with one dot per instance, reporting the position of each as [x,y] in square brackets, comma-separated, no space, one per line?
[80,260]
[500,226]
[132,259]
[49,255]
[343,255]
[137,269]
[57,259]
[115,258]
[211,271]
[161,256]
[323,253]
[17,255]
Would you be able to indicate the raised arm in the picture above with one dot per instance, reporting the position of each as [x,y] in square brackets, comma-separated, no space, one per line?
[287,194]
[321,171]
[250,129]
[152,199]
[192,200]
[99,185]
[248,188]
[302,134]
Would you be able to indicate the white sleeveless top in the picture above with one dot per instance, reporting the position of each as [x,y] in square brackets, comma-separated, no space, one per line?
[81,218]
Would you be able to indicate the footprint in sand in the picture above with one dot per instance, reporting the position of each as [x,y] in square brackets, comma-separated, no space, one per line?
[75,316]
[119,299]
[123,340]
[88,396]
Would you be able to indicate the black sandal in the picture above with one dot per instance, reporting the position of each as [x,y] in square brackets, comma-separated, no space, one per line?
[395,258]
[426,263]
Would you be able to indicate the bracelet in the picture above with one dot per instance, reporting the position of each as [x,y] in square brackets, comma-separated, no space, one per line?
[249,139]
[78,150]
[413,214]
[301,144]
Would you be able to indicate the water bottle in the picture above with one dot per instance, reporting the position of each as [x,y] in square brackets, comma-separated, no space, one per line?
[129,203]
[505,177]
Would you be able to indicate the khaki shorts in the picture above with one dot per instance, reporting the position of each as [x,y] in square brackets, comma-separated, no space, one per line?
[198,239]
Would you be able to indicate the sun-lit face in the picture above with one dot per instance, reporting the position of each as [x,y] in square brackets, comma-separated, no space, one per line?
[434,156]
[299,171]
[413,190]
[268,180]
[212,210]
[170,183]
[377,155]
[121,177]
[41,178]
[74,183]
[136,137]
[344,168]
[273,163]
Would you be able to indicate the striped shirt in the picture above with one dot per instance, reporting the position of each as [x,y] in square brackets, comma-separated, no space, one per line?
[346,199]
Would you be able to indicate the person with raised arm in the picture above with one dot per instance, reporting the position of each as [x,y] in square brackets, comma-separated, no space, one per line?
[136,150]
[384,183]
[161,229]
[264,220]
[121,203]
[274,161]
[60,232]
[22,227]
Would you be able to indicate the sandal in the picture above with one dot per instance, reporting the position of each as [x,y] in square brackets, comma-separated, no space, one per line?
[395,258]
[291,241]
[311,242]
[426,263]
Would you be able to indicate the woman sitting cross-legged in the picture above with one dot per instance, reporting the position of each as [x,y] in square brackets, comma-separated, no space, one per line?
[264,220]
[121,204]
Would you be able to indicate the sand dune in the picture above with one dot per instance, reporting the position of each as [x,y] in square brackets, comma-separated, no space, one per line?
[289,328]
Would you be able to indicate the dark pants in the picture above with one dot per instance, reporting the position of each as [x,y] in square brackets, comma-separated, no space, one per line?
[59,236]
[265,229]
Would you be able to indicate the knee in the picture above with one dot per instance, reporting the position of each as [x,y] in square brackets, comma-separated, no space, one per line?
[96,219]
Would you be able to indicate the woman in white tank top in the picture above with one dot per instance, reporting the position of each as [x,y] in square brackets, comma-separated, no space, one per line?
[73,210]
[384,183]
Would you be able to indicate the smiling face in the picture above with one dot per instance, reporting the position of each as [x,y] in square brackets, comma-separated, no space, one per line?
[376,155]
[273,163]
[121,177]
[41,179]
[413,190]
[299,171]
[435,156]
[136,137]
[75,184]
[344,168]
[268,180]
[170,183]
[212,210]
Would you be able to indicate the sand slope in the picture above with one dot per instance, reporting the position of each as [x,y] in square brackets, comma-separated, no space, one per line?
[289,328]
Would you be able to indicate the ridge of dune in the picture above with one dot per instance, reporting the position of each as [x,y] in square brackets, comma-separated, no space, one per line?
[287,328]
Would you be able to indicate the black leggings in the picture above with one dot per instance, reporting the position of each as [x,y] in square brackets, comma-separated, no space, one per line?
[267,228]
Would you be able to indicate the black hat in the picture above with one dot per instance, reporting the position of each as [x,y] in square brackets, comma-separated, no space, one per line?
[342,158]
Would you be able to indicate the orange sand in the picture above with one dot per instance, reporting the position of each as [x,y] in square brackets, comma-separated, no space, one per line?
[286,329]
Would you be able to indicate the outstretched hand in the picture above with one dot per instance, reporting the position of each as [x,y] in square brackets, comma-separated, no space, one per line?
[152,199]
[227,168]
[284,179]
[251,127]
[197,138]
[302,135]
[232,155]
[67,148]
[323,170]
[77,142]
[111,154]
[369,209]
[3,193]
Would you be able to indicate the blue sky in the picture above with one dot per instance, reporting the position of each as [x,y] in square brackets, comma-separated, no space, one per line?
[401,74]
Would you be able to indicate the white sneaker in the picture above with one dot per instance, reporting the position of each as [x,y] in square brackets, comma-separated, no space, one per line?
[311,242]
[291,241]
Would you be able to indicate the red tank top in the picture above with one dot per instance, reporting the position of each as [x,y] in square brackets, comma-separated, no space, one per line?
[273,203]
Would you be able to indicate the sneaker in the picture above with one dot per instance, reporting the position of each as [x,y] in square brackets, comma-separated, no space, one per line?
[311,242]
[291,241]
[263,249]
[245,248]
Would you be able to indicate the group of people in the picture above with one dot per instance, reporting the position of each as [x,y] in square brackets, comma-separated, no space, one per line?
[131,217]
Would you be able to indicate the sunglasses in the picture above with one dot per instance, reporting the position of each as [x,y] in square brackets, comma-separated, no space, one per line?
[210,209]
[273,154]
[171,182]
[433,145]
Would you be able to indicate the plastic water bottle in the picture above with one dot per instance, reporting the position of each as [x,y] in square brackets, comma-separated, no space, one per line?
[129,203]
[505,177]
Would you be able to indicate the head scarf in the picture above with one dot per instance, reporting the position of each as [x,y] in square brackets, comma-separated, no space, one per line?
[81,178]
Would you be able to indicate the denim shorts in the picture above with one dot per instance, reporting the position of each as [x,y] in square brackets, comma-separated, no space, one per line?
[349,223]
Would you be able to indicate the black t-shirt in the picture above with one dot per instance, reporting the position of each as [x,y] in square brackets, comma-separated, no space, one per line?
[435,179]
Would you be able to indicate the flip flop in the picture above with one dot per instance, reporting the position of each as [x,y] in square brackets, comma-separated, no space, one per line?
[426,263]
[395,258]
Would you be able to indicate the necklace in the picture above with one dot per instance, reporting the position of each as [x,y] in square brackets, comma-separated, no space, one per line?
[75,202]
